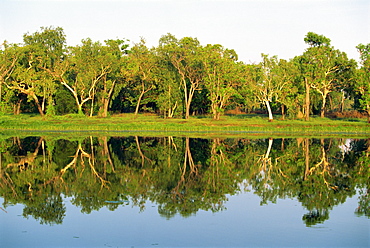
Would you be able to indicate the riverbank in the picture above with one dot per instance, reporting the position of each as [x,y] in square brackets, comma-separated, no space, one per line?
[239,125]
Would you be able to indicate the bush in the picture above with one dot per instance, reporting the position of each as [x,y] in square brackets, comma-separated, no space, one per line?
[347,114]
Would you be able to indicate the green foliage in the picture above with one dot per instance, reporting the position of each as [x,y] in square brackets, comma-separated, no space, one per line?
[64,101]
[222,77]
[177,78]
[325,70]
[362,85]
[316,40]
[181,175]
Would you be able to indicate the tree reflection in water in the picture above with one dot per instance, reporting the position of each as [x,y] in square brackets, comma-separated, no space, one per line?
[182,175]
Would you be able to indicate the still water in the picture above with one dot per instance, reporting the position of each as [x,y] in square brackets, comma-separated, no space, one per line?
[184,192]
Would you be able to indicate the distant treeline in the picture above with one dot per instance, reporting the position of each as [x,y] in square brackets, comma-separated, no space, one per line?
[178,78]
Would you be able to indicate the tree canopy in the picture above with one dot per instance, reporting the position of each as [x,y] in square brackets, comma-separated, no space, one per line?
[177,78]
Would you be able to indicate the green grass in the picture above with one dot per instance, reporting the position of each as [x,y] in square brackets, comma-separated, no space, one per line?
[128,124]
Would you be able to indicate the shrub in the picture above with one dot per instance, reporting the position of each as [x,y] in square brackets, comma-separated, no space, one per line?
[347,114]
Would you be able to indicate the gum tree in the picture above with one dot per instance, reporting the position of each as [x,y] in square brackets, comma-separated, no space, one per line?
[270,82]
[90,72]
[363,78]
[288,96]
[9,56]
[26,79]
[169,90]
[49,47]
[222,75]
[324,67]
[143,70]
[25,72]
[114,55]
[184,55]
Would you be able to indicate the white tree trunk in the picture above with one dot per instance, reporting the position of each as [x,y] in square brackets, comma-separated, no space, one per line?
[269,110]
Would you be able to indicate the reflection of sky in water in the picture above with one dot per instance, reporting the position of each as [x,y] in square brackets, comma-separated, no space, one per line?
[244,223]
[346,146]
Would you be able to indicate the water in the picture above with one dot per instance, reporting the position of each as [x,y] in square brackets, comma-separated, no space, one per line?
[244,224]
[233,203]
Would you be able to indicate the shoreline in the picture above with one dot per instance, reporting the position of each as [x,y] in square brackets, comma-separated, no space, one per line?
[196,126]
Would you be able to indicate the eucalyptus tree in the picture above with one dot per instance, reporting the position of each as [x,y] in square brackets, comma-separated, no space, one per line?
[304,87]
[325,67]
[78,74]
[246,96]
[363,78]
[90,72]
[288,91]
[26,79]
[49,44]
[9,56]
[114,55]
[26,72]
[313,40]
[270,83]
[184,55]
[170,94]
[222,75]
[143,70]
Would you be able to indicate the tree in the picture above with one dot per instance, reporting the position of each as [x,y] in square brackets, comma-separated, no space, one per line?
[27,79]
[81,72]
[143,70]
[89,68]
[184,55]
[271,82]
[246,96]
[24,71]
[114,56]
[9,56]
[324,67]
[363,78]
[304,87]
[288,96]
[315,40]
[49,45]
[222,75]
[169,90]
[168,87]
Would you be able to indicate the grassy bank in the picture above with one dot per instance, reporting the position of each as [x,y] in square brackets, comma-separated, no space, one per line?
[128,124]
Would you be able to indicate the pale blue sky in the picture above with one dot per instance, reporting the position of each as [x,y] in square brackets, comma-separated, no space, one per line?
[251,27]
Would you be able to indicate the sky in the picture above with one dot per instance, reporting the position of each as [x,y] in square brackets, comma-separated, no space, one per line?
[250,27]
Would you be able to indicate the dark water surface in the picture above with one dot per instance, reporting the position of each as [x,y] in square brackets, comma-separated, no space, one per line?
[184,192]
